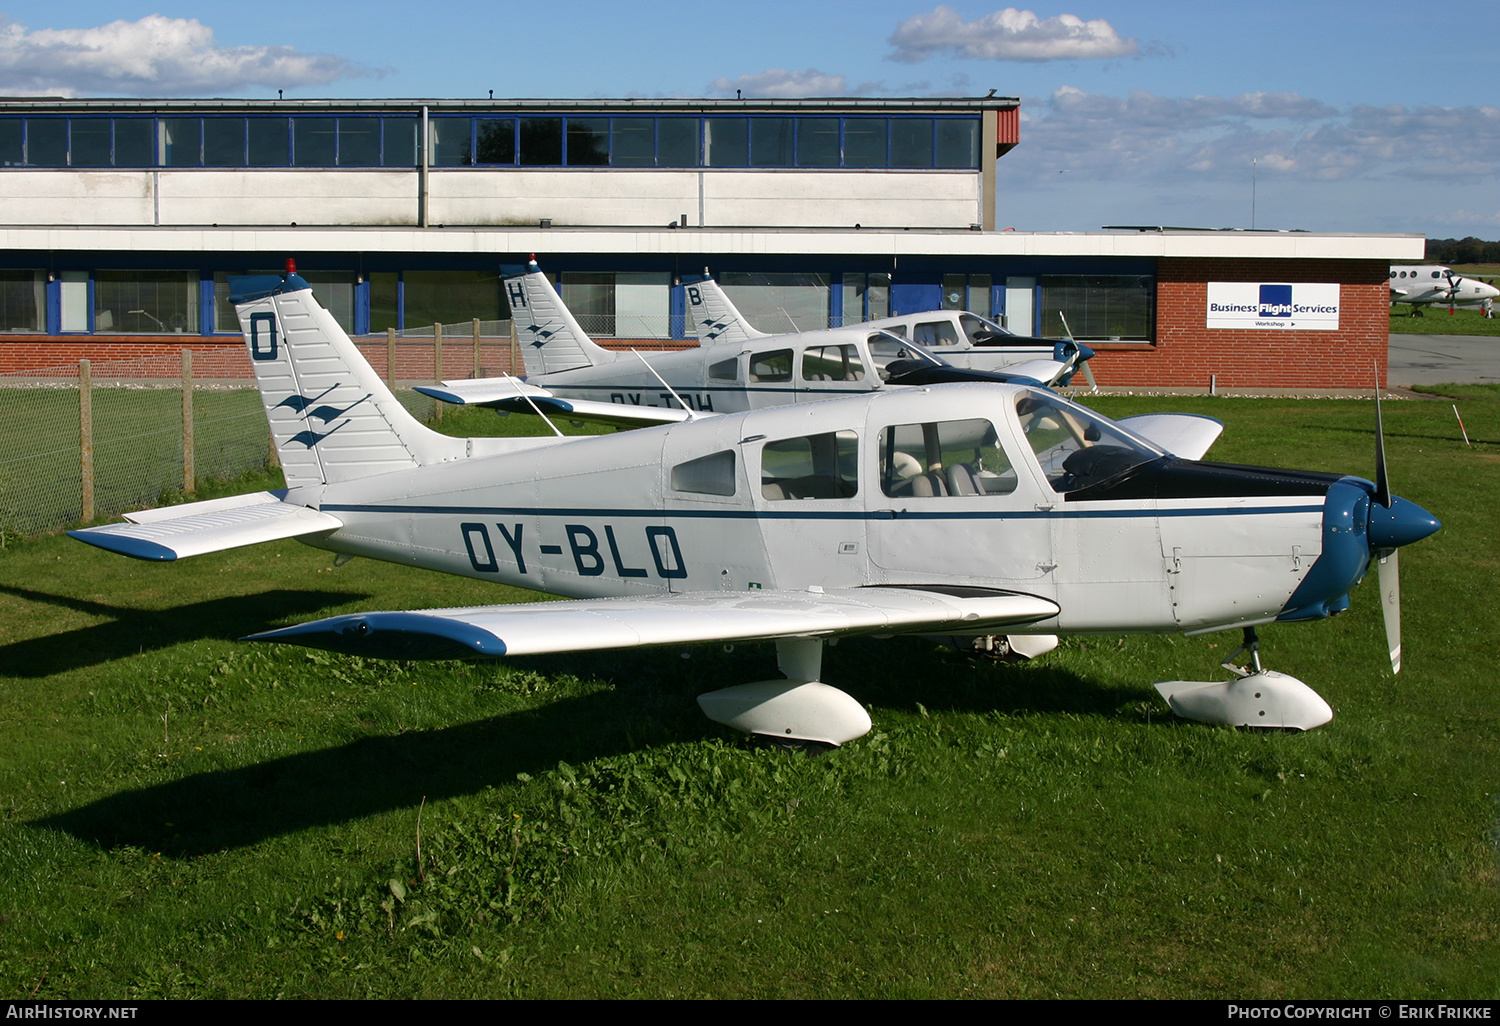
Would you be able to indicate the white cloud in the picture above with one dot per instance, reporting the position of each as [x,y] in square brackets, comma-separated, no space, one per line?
[779,83]
[155,56]
[1008,35]
[1211,138]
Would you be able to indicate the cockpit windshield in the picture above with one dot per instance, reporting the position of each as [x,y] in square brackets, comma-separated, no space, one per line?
[1076,447]
[887,349]
[981,331]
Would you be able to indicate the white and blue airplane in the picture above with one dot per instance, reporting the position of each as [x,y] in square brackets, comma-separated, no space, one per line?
[568,373]
[957,337]
[1434,285]
[951,509]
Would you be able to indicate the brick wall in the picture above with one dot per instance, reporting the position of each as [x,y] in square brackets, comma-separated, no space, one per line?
[157,356]
[1187,353]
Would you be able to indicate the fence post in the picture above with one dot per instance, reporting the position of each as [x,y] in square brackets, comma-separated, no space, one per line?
[437,367]
[478,370]
[189,466]
[86,436]
[390,358]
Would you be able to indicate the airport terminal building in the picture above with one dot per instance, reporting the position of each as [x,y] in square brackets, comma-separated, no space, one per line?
[121,221]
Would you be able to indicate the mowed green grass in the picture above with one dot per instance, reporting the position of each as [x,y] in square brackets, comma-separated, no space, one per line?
[189,815]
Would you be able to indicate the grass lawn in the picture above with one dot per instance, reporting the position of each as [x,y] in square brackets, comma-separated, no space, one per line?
[1436,320]
[183,814]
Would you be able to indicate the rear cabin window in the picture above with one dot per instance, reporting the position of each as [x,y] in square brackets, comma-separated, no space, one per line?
[772,366]
[707,475]
[944,458]
[810,467]
[725,370]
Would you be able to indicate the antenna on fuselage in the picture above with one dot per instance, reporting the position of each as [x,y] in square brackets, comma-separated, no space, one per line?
[692,413]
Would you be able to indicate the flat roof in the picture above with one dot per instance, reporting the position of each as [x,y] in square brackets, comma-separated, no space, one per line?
[442,105]
[1260,245]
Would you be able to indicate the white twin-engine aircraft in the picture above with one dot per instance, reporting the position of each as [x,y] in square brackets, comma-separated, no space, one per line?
[956,337]
[1434,285]
[568,374]
[955,509]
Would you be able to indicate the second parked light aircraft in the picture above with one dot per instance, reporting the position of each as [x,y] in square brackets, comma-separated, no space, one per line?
[567,373]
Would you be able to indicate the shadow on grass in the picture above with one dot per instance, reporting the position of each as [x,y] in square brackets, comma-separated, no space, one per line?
[649,705]
[133,631]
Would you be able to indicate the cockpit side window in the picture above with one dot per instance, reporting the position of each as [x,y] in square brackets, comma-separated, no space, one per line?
[1075,447]
[725,370]
[944,458]
[823,466]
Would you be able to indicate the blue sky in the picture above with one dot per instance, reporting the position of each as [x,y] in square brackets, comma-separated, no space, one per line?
[1373,116]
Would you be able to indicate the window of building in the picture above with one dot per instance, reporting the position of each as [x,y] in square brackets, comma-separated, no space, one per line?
[448,297]
[771,142]
[359,142]
[91,142]
[726,142]
[269,142]
[450,141]
[385,301]
[180,142]
[957,142]
[971,292]
[541,141]
[818,142]
[496,140]
[315,142]
[590,296]
[944,458]
[12,142]
[779,302]
[911,142]
[399,142]
[632,142]
[47,142]
[822,466]
[677,142]
[23,301]
[224,142]
[1101,307]
[864,142]
[867,297]
[146,302]
[588,142]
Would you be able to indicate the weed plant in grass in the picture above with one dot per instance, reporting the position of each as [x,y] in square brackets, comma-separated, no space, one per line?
[188,815]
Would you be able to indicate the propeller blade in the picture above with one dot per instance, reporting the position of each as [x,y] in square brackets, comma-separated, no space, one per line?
[1390,592]
[1382,482]
[1088,374]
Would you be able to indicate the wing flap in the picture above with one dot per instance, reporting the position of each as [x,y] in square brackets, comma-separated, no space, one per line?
[193,533]
[585,625]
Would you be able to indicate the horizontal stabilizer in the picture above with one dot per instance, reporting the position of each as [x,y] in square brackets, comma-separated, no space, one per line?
[510,395]
[1182,434]
[589,624]
[175,532]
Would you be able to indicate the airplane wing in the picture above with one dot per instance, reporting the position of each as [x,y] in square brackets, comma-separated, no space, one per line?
[511,395]
[175,532]
[1182,434]
[585,625]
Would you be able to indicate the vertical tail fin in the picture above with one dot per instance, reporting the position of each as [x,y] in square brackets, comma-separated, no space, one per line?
[714,316]
[331,416]
[550,338]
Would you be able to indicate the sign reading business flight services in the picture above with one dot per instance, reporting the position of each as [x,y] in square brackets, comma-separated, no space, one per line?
[1301,306]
